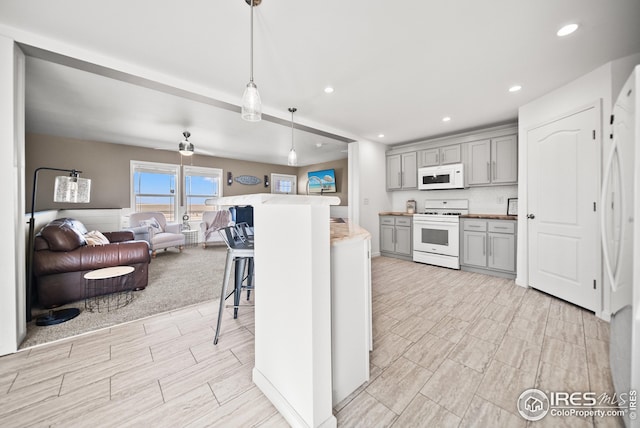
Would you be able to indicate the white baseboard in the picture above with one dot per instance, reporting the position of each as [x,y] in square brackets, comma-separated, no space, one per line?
[283,406]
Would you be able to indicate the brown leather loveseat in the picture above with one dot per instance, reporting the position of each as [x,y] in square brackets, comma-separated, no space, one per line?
[62,257]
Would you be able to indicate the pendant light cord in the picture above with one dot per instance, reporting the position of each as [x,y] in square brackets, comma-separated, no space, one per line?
[251,60]
[292,110]
[291,129]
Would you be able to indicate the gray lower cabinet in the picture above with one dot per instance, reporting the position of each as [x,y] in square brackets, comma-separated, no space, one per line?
[396,236]
[488,246]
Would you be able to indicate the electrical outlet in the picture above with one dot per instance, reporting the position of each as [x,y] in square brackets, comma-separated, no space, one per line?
[366,201]
[500,200]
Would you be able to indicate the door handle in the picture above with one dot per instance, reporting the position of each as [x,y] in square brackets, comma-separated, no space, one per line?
[437,158]
[488,171]
[531,216]
[494,170]
[484,246]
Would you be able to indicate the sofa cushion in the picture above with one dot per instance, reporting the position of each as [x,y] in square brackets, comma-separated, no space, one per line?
[62,236]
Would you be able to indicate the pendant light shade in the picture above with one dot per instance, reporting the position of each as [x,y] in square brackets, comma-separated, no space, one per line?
[292,159]
[251,103]
[185,147]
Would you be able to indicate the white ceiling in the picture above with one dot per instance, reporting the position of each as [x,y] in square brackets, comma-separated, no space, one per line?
[397,67]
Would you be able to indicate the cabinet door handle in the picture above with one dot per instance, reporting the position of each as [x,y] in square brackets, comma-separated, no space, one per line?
[490,249]
[393,236]
[484,246]
[403,181]
[400,178]
[488,171]
[494,170]
[437,157]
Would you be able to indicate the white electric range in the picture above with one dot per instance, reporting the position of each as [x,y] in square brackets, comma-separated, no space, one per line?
[436,236]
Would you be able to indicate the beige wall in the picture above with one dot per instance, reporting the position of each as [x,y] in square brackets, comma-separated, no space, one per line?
[342,178]
[107,165]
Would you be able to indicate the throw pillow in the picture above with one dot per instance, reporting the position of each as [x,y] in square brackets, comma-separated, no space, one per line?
[152,223]
[94,238]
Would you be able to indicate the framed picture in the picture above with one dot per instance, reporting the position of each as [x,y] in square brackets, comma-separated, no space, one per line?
[512,206]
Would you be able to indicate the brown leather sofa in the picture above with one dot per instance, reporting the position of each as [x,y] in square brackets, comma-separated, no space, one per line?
[62,257]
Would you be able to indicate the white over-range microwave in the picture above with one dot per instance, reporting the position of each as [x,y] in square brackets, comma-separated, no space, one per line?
[441,177]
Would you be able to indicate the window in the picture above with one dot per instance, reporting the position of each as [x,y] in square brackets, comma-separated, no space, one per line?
[153,188]
[200,184]
[282,183]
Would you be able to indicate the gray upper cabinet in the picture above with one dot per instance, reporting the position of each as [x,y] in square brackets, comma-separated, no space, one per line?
[402,171]
[493,161]
[478,167]
[394,172]
[504,155]
[439,156]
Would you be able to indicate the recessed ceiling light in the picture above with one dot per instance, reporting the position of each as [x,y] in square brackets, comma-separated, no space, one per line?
[567,29]
[328,90]
[380,135]
[515,88]
[318,145]
[446,119]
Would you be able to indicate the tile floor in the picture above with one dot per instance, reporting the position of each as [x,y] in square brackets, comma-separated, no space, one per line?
[451,349]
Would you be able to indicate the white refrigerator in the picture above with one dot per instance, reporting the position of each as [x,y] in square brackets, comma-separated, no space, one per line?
[621,244]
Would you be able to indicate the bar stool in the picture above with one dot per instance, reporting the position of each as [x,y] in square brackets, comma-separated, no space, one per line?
[240,251]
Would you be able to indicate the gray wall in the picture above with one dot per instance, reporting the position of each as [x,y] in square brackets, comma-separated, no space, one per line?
[107,165]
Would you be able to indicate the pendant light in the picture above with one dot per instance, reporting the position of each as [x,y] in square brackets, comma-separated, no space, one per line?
[251,104]
[292,159]
[185,147]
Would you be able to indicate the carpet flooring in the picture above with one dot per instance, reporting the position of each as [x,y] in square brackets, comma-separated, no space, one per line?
[176,280]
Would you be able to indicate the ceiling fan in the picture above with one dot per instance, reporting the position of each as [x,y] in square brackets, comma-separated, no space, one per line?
[186,148]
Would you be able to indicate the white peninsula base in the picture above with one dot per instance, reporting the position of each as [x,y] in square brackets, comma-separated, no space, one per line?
[293,312]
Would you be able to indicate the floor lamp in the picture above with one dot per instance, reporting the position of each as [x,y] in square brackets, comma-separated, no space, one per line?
[71,189]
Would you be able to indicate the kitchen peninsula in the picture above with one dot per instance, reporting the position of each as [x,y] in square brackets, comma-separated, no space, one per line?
[313,305]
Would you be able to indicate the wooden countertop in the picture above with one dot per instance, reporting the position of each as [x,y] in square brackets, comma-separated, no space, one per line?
[343,230]
[396,213]
[491,216]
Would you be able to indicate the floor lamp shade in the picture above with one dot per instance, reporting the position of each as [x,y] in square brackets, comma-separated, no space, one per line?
[72,189]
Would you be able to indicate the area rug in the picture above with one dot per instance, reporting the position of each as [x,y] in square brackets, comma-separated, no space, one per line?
[176,280]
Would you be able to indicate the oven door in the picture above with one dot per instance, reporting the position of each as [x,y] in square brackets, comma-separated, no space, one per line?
[436,237]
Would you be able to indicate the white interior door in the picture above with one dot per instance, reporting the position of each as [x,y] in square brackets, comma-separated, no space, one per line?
[563,187]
